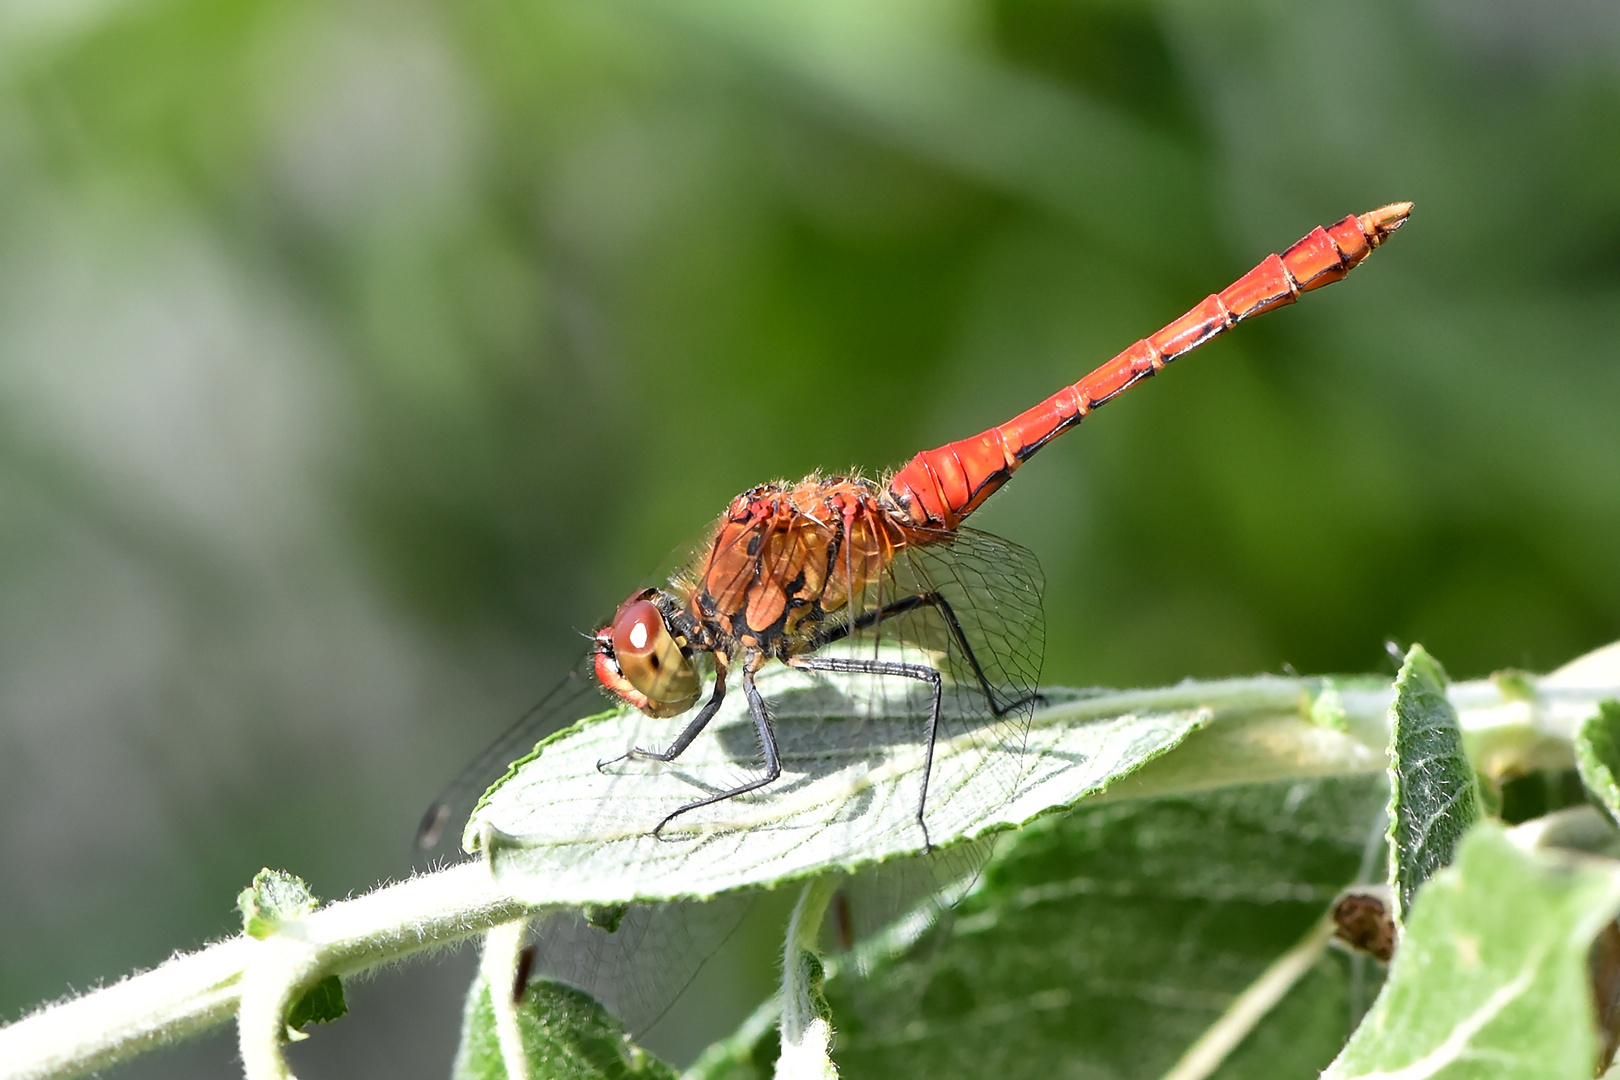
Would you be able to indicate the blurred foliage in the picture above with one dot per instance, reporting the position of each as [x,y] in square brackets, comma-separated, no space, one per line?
[355,356]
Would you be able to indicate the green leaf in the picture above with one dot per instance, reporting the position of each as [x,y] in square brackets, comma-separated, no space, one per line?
[1309,1025]
[1597,756]
[321,1004]
[566,1035]
[1109,939]
[1433,790]
[1491,976]
[275,897]
[563,832]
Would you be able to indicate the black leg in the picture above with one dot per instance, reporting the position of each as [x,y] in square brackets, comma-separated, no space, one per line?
[949,613]
[920,672]
[767,743]
[684,739]
[912,603]
[872,618]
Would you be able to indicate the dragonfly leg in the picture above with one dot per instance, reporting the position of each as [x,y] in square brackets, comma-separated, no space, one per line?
[767,743]
[998,710]
[684,739]
[943,606]
[873,618]
[920,672]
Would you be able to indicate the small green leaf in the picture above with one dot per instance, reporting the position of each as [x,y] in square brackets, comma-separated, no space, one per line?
[606,917]
[275,897]
[1597,756]
[566,1036]
[1515,685]
[749,1053]
[1491,976]
[321,1004]
[561,831]
[1433,793]
[1328,707]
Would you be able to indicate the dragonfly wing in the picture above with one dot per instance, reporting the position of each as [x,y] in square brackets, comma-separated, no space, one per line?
[993,588]
[967,604]
[578,695]
[636,961]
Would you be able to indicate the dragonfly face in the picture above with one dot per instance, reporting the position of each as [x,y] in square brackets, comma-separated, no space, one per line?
[642,661]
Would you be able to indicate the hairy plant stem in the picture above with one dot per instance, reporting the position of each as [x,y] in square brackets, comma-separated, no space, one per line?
[192,993]
[805,1030]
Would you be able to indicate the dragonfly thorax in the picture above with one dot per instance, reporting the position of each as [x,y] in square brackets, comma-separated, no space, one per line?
[785,560]
[783,564]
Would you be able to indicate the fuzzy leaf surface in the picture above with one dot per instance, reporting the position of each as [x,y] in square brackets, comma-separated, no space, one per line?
[1433,791]
[1109,939]
[566,1036]
[565,832]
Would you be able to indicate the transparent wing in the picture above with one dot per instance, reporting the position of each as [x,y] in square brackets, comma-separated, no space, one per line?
[638,961]
[967,604]
[992,593]
[905,907]
[578,695]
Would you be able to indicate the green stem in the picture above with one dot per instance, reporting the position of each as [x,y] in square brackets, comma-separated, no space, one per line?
[502,945]
[190,994]
[806,1031]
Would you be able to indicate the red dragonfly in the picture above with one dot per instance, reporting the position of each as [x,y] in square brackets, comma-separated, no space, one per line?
[791,569]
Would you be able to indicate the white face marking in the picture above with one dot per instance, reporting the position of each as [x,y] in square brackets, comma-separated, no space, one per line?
[638,636]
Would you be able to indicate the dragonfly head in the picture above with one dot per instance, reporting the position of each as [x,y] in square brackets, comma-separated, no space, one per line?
[641,660]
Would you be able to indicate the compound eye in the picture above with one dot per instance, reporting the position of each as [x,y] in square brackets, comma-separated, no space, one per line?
[637,630]
[651,661]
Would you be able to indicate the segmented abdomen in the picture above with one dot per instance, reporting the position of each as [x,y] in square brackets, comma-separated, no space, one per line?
[939,488]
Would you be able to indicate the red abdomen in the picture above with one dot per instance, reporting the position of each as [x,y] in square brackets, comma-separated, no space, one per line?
[938,488]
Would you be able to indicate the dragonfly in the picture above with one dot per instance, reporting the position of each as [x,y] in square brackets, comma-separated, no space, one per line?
[796,573]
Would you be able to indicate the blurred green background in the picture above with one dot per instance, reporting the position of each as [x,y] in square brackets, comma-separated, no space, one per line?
[355,357]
